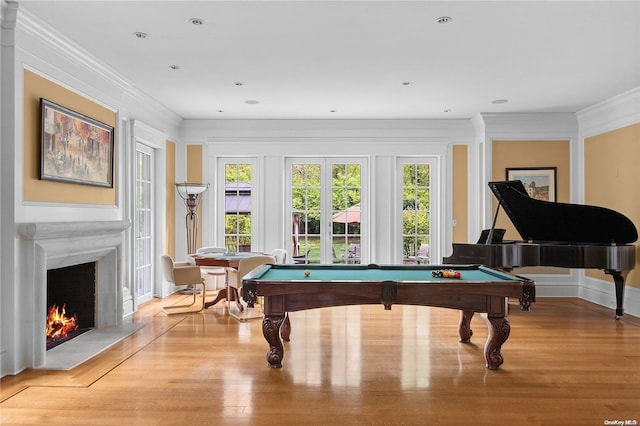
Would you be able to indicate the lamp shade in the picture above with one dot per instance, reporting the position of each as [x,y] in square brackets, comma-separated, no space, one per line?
[186,189]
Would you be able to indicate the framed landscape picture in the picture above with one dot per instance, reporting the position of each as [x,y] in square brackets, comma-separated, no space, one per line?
[540,182]
[74,148]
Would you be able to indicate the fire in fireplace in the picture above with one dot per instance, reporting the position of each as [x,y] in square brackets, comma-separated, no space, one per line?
[70,301]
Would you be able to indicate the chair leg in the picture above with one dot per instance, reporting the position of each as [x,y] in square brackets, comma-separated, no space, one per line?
[245,315]
[236,294]
[183,309]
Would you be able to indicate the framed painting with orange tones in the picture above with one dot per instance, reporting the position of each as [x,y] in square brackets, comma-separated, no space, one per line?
[74,148]
[540,182]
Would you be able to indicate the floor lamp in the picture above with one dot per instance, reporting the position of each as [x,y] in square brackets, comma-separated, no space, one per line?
[192,194]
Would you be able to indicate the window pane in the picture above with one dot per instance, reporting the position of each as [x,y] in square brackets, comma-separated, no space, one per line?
[422,175]
[422,226]
[422,197]
[313,175]
[339,175]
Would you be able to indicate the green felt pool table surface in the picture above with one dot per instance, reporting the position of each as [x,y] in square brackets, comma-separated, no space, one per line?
[364,273]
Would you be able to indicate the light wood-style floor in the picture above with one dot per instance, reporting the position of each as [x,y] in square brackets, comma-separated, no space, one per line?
[567,362]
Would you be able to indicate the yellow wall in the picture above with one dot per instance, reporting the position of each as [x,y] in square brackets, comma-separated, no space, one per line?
[195,175]
[170,227]
[461,193]
[34,189]
[513,154]
[611,180]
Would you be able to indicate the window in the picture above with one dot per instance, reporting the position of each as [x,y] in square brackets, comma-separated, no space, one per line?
[237,200]
[416,211]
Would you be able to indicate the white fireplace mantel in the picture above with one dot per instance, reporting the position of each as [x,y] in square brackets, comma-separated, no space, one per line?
[50,245]
[48,230]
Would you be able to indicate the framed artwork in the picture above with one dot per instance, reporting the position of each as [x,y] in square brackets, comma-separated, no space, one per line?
[74,148]
[540,182]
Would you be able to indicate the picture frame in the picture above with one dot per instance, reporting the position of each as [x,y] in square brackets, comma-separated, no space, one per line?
[74,148]
[540,182]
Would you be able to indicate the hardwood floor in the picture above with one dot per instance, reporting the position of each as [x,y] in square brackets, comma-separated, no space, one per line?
[566,362]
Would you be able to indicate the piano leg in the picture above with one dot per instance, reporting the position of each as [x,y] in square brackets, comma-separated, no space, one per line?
[619,279]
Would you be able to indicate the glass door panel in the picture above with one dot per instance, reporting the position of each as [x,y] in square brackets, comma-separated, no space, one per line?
[325,199]
[238,197]
[416,212]
[306,198]
[346,214]
[143,224]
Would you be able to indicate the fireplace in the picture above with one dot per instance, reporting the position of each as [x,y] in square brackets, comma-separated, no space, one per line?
[51,246]
[71,302]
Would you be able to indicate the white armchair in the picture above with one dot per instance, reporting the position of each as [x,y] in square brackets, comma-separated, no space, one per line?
[183,273]
[245,266]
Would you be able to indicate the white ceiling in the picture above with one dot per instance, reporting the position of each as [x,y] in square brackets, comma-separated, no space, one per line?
[349,59]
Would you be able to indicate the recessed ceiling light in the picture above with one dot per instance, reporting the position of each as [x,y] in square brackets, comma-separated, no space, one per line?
[174,67]
[252,102]
[139,34]
[500,101]
[196,21]
[444,20]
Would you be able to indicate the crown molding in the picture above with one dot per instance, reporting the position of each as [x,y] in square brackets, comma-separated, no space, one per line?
[35,28]
[539,125]
[620,111]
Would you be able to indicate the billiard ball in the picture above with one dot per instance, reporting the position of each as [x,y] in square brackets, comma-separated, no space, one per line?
[307,272]
[445,273]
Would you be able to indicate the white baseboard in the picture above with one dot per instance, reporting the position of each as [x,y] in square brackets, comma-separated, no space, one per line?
[603,293]
[556,289]
[600,292]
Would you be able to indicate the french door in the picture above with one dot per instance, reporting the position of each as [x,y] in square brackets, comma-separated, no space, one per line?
[327,199]
[143,226]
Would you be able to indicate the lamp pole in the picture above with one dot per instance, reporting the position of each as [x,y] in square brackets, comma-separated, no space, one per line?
[192,194]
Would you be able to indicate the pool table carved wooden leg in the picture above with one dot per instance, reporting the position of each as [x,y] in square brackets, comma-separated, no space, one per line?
[285,329]
[499,329]
[464,328]
[271,331]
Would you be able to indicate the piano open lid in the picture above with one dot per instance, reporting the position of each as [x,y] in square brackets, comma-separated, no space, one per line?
[545,221]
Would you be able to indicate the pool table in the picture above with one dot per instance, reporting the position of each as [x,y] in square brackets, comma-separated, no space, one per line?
[288,288]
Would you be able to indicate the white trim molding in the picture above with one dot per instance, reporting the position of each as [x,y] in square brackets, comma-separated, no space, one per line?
[615,113]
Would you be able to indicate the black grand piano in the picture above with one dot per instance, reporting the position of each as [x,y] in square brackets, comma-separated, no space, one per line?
[554,234]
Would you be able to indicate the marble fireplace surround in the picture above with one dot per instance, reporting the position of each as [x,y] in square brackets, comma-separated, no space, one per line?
[50,245]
